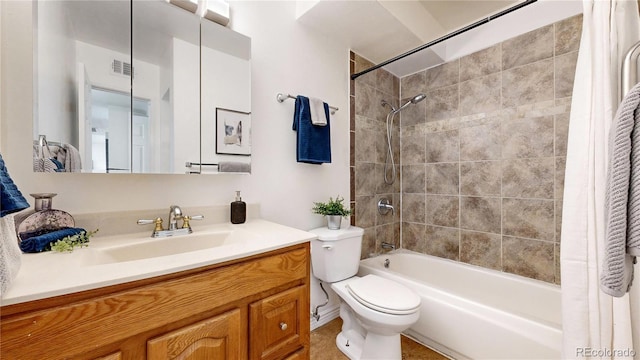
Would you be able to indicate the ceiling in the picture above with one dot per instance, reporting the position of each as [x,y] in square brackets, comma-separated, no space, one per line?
[382,29]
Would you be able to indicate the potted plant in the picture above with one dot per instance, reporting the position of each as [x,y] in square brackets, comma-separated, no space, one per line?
[334,210]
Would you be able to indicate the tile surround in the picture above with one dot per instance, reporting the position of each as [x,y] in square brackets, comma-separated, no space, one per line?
[482,159]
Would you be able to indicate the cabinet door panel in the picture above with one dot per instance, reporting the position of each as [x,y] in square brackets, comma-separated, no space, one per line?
[220,337]
[114,356]
[279,324]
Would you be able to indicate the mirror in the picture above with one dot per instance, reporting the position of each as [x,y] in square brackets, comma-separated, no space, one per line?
[121,82]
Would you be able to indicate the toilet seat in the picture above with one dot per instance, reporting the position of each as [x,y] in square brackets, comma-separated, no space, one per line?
[383,295]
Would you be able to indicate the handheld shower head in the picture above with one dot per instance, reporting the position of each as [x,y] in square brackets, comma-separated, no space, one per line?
[414,100]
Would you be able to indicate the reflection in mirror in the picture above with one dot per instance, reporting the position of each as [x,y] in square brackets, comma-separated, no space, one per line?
[225,110]
[77,43]
[120,82]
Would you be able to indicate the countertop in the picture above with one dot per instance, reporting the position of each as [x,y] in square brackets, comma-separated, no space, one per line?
[51,274]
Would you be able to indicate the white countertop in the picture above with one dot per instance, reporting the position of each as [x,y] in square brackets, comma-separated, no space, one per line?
[51,274]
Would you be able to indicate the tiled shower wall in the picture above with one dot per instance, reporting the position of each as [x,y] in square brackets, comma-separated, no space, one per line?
[368,149]
[482,157]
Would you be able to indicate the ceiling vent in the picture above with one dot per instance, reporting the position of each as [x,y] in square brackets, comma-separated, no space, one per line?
[121,68]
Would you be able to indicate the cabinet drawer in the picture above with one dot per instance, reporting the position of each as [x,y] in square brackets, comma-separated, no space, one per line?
[279,324]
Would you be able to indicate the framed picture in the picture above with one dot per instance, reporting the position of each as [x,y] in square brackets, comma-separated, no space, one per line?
[233,132]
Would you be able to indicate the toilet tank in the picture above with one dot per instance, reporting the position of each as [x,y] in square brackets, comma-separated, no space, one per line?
[335,255]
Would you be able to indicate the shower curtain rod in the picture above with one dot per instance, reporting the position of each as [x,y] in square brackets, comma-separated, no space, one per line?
[445,37]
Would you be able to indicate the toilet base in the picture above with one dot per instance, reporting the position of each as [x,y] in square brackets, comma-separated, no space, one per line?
[382,347]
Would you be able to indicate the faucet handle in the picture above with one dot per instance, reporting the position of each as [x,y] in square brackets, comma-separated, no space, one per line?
[186,219]
[157,222]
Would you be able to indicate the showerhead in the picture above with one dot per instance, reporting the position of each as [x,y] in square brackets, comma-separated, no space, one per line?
[414,100]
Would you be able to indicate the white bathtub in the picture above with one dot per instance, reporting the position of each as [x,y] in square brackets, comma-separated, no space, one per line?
[469,312]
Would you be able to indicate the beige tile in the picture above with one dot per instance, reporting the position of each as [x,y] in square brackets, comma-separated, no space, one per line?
[413,84]
[565,70]
[480,178]
[368,243]
[365,178]
[365,145]
[528,48]
[382,148]
[480,214]
[442,178]
[442,210]
[480,63]
[527,84]
[531,258]
[323,342]
[323,345]
[558,219]
[442,242]
[389,217]
[528,137]
[528,178]
[365,100]
[528,218]
[389,233]
[561,134]
[442,146]
[414,114]
[442,103]
[413,179]
[480,142]
[568,33]
[366,211]
[384,81]
[560,165]
[362,64]
[481,249]
[413,208]
[414,237]
[413,149]
[381,185]
[441,75]
[480,95]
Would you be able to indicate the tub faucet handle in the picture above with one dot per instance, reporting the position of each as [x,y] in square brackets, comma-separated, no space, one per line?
[384,206]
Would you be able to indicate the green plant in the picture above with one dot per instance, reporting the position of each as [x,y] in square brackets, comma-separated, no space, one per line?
[67,243]
[333,207]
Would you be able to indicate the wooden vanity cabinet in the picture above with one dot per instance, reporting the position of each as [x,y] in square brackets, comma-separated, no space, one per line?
[252,308]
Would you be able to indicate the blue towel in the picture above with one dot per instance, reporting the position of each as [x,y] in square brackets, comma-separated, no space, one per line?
[42,242]
[11,199]
[313,143]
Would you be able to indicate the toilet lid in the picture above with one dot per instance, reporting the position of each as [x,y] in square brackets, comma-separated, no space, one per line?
[384,295]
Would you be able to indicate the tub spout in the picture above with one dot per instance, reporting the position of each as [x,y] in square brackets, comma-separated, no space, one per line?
[388,246]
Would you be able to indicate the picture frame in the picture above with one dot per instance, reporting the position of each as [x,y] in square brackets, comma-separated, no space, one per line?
[233,132]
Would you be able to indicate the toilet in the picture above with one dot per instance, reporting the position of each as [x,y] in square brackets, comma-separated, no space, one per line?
[374,310]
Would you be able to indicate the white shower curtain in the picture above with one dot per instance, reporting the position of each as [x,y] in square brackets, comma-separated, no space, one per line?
[595,325]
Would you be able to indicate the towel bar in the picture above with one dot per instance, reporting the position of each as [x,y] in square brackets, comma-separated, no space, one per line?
[282,97]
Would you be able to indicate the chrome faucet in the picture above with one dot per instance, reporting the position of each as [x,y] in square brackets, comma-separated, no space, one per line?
[175,214]
[384,206]
[388,246]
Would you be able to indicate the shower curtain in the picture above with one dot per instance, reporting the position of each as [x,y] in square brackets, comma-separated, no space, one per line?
[595,325]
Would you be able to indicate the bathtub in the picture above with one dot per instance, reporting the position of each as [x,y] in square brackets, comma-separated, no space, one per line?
[469,312]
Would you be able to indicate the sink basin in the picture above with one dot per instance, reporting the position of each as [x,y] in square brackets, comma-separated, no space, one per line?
[157,247]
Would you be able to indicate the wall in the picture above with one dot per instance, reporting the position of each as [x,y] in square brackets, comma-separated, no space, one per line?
[483,157]
[286,57]
[57,80]
[368,154]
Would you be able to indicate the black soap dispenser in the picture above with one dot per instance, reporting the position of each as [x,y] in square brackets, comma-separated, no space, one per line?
[238,210]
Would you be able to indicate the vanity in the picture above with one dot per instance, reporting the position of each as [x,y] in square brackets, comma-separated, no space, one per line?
[242,295]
